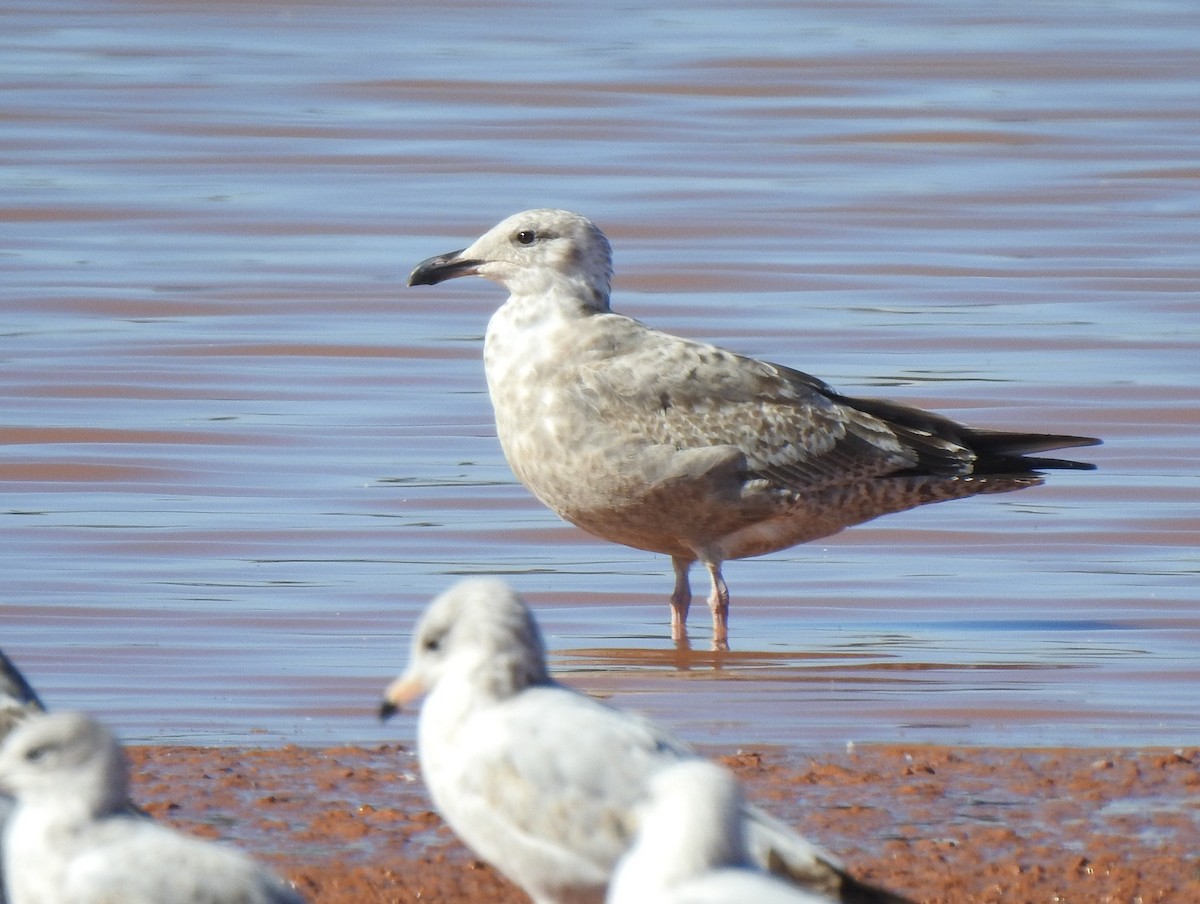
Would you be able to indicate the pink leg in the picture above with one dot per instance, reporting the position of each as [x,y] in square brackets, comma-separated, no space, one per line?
[718,602]
[681,600]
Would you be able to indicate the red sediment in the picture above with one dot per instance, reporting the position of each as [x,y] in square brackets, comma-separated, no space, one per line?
[961,825]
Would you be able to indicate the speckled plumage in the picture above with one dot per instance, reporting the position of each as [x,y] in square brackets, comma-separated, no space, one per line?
[686,449]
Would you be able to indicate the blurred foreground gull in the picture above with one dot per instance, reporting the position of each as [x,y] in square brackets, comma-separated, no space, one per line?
[69,840]
[691,849]
[683,448]
[18,702]
[542,781]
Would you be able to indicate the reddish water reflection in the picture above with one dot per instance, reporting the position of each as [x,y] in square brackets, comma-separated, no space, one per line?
[237,456]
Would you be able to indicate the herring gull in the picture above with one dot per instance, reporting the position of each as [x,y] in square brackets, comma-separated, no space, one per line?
[688,450]
[690,848]
[542,781]
[70,840]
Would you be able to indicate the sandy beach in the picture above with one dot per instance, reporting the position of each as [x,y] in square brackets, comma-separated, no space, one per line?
[941,824]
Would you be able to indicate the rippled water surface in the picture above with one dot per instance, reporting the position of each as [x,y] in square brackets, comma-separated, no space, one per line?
[237,455]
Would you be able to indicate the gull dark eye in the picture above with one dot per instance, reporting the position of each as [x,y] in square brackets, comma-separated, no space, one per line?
[33,754]
[527,237]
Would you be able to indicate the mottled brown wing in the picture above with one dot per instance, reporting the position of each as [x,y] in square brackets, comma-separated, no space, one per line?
[793,430]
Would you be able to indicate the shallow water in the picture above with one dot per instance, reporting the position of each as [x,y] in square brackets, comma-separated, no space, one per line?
[237,456]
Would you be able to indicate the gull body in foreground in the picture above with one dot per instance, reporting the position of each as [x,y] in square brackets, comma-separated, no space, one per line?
[691,848]
[685,449]
[70,841]
[542,781]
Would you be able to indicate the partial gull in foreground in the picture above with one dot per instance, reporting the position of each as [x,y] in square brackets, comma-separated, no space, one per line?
[691,849]
[541,781]
[18,699]
[71,841]
[683,448]
[18,703]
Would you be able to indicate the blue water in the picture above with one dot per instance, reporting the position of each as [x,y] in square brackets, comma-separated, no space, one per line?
[237,455]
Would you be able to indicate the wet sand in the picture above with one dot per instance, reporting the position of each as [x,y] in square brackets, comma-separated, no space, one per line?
[941,824]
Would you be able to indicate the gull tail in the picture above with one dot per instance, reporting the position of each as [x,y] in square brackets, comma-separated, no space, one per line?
[1009,453]
[946,447]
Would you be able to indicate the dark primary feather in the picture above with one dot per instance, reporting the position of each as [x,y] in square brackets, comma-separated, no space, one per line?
[794,429]
[995,451]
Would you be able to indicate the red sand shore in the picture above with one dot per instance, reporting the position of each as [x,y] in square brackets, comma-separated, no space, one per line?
[940,824]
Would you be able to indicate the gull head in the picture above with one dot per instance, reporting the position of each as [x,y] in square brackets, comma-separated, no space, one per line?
[65,757]
[548,252]
[479,636]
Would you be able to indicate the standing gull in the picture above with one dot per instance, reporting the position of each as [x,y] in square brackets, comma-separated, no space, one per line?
[690,847]
[70,841]
[542,781]
[683,448]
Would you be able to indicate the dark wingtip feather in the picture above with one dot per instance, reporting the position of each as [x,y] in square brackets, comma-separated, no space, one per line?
[1055,464]
[855,892]
[1000,452]
[1001,443]
[944,446]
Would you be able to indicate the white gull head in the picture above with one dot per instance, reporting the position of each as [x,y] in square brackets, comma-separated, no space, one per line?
[478,634]
[67,758]
[543,252]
